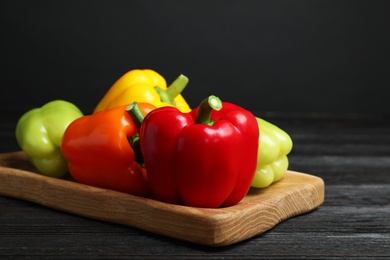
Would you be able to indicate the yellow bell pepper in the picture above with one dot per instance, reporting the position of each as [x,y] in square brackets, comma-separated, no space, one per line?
[148,86]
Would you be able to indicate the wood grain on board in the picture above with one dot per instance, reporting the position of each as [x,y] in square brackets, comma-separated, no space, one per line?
[259,211]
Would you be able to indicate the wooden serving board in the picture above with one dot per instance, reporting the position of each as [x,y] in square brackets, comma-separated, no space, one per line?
[258,212]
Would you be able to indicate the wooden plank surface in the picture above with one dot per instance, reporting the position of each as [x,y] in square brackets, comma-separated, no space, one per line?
[349,152]
[259,211]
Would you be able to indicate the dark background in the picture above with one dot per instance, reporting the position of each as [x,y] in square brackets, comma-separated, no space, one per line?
[285,56]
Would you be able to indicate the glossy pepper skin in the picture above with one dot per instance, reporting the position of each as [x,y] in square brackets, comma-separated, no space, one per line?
[145,86]
[100,154]
[39,133]
[206,159]
[274,146]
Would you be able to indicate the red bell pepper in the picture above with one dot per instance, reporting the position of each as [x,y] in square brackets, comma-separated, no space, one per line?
[204,158]
[99,152]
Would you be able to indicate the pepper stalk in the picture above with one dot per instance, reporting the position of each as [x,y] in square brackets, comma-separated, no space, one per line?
[206,107]
[174,89]
[136,114]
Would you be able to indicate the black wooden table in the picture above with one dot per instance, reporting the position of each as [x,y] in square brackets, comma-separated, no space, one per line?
[350,152]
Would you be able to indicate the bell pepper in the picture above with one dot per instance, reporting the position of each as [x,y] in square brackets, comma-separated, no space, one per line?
[274,146]
[39,132]
[204,158]
[145,86]
[100,154]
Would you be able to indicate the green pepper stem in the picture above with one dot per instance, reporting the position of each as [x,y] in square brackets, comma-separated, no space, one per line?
[205,109]
[177,86]
[135,144]
[136,114]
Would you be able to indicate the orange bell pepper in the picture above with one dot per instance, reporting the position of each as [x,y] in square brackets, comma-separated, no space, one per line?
[99,153]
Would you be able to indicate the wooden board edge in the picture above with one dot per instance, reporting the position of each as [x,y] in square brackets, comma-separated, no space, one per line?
[284,204]
[212,227]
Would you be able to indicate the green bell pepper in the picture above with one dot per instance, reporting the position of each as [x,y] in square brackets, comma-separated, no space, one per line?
[39,133]
[272,162]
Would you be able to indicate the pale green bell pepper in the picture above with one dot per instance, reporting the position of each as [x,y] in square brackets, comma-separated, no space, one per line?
[39,133]
[272,161]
